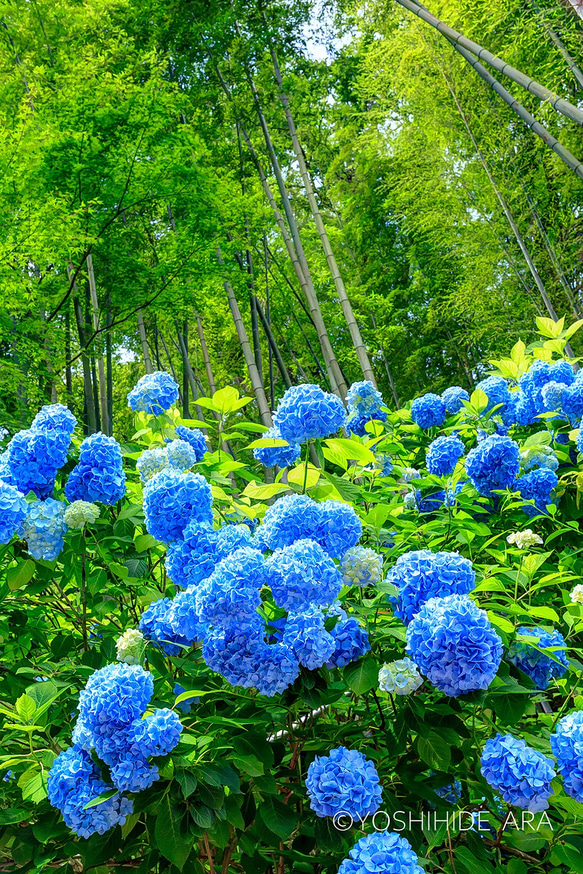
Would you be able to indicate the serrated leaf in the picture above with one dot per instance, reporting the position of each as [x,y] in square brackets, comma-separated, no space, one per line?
[351,450]
[434,750]
[361,676]
[262,492]
[169,841]
[20,575]
[278,817]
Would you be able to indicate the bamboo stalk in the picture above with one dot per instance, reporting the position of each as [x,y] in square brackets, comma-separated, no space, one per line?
[144,342]
[558,103]
[274,347]
[100,362]
[90,417]
[557,41]
[205,355]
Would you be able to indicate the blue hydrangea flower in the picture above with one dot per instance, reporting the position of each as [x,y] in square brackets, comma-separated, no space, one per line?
[356,424]
[454,645]
[182,618]
[290,518]
[408,474]
[339,528]
[430,503]
[277,669]
[156,627]
[277,456]
[303,574]
[496,390]
[151,462]
[451,793]
[520,774]
[33,458]
[350,639]
[172,499]
[44,528]
[195,438]
[195,556]
[443,454]
[422,574]
[428,411]
[56,419]
[567,746]
[344,781]
[186,705]
[155,735]
[99,475]
[381,853]
[13,511]
[453,398]
[540,667]
[552,395]
[493,464]
[231,595]
[538,486]
[180,454]
[306,636]
[133,773]
[364,399]
[384,463]
[572,403]
[307,412]
[361,567]
[73,781]
[154,393]
[400,677]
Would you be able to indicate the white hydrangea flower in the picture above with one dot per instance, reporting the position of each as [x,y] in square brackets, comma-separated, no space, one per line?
[361,567]
[524,539]
[400,677]
[130,647]
[577,594]
[79,513]
[409,473]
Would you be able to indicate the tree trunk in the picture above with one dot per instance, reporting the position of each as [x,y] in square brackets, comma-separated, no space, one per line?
[499,64]
[274,347]
[205,355]
[256,382]
[109,366]
[353,328]
[144,342]
[191,379]
[186,376]
[268,318]
[90,414]
[68,372]
[100,362]
[169,357]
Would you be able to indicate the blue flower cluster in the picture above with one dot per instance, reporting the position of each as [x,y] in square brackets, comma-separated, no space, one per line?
[44,528]
[172,499]
[73,781]
[361,567]
[454,645]
[111,707]
[332,524]
[306,636]
[195,438]
[493,464]
[99,474]
[496,390]
[541,668]
[34,456]
[277,456]
[422,574]
[428,411]
[13,510]
[539,455]
[538,486]
[344,781]
[364,404]
[350,639]
[156,627]
[381,853]
[303,574]
[400,677]
[534,400]
[306,412]
[177,454]
[520,774]
[443,454]
[194,557]
[453,398]
[230,596]
[154,393]
[567,747]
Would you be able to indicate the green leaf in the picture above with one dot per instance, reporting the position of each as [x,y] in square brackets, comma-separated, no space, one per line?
[105,796]
[144,542]
[278,817]
[25,707]
[266,442]
[167,833]
[249,765]
[434,750]
[351,450]
[261,492]
[361,676]
[20,575]
[33,784]
[548,327]
[11,815]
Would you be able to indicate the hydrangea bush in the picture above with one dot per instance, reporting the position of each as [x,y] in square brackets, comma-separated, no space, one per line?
[207,667]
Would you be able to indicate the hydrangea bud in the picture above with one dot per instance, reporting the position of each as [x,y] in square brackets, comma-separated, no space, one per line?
[79,513]
[524,539]
[361,567]
[400,677]
[130,647]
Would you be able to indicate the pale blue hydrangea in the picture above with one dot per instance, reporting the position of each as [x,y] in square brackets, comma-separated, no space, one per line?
[194,557]
[454,645]
[422,574]
[364,399]
[521,775]
[539,455]
[408,474]
[400,677]
[172,499]
[231,595]
[277,456]
[99,474]
[453,398]
[180,454]
[567,747]
[55,419]
[381,853]
[493,464]
[154,393]
[306,636]
[443,454]
[13,511]
[129,647]
[540,668]
[80,513]
[195,438]
[428,411]
[44,528]
[303,574]
[361,567]
[538,486]
[151,462]
[552,395]
[344,781]
[384,463]
[307,412]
